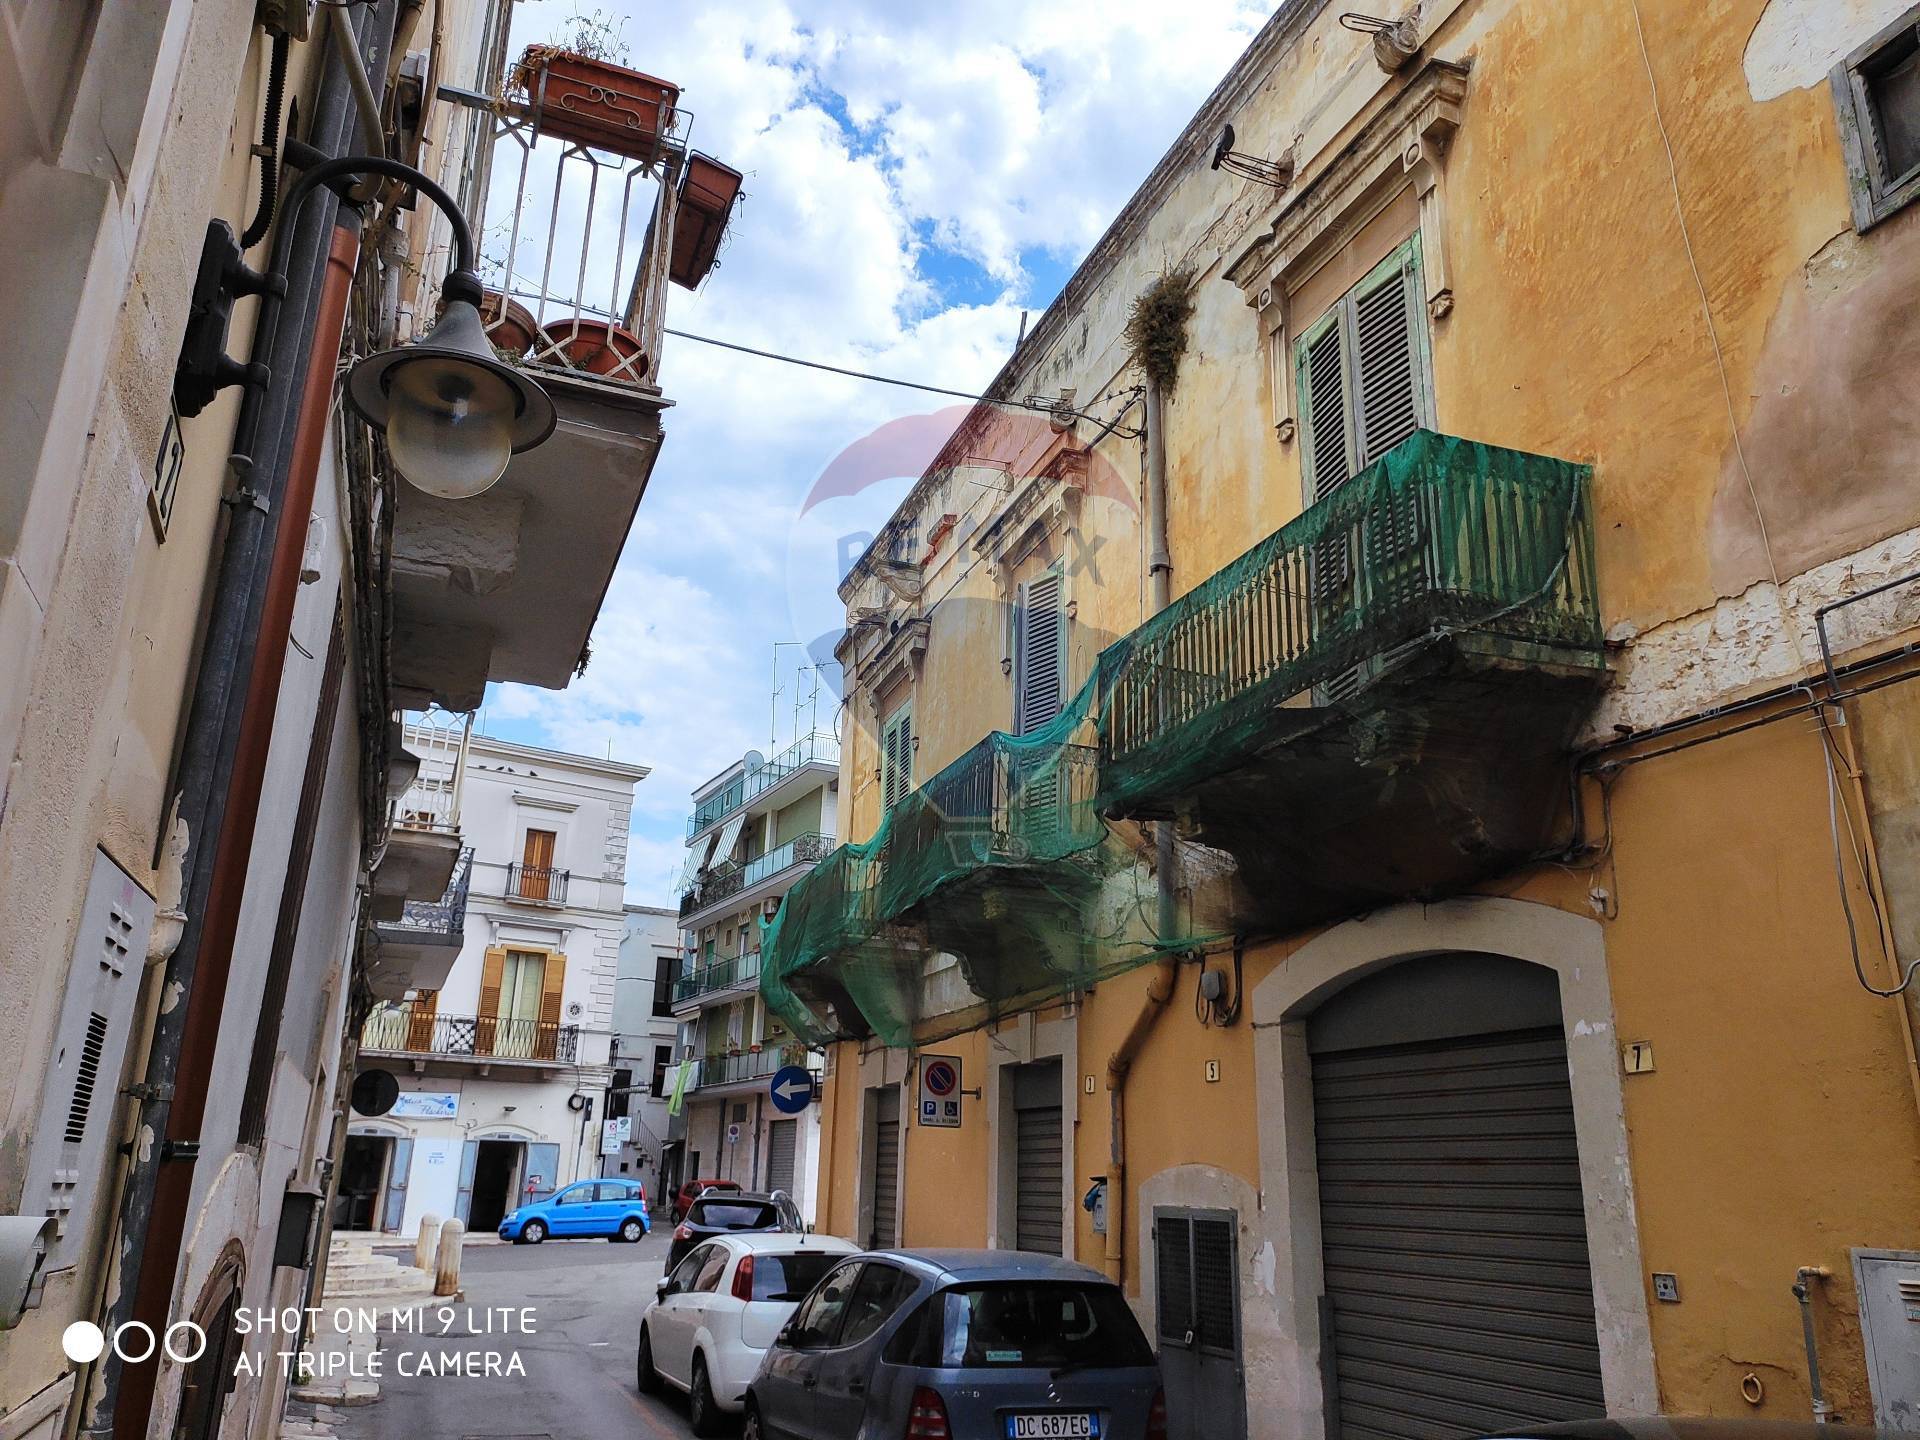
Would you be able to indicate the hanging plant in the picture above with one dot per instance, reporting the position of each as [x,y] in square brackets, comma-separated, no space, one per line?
[1157,325]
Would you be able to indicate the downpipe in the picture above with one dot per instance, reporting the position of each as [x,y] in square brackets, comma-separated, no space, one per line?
[1166,974]
[1803,1292]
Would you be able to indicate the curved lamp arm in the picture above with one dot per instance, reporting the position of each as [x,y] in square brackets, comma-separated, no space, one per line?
[462,283]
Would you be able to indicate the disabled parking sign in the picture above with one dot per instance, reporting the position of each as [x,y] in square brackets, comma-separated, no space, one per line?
[940,1090]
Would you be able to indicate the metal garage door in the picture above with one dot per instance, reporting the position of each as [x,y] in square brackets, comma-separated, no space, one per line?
[886,1169]
[781,1135]
[1454,1236]
[1038,1173]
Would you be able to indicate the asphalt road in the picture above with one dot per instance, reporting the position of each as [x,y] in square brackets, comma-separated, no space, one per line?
[585,1299]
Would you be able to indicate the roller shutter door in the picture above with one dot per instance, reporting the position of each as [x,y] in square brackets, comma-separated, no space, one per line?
[1454,1237]
[781,1135]
[1037,1136]
[886,1169]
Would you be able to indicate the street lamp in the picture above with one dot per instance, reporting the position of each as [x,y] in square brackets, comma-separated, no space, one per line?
[452,411]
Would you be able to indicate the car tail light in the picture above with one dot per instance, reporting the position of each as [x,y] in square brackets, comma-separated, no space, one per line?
[1157,1416]
[685,1232]
[743,1279]
[927,1417]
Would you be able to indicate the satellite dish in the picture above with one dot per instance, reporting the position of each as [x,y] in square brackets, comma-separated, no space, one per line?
[374,1092]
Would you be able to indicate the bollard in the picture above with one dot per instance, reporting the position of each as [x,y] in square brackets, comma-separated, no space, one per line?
[426,1246]
[446,1278]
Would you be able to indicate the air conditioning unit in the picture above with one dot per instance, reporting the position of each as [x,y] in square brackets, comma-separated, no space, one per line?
[769,908]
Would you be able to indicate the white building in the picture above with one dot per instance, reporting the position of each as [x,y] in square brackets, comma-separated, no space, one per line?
[504,1067]
[645,1042]
[757,827]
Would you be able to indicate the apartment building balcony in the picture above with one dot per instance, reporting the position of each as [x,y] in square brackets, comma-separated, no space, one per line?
[535,885]
[748,1070]
[716,980]
[430,1042]
[733,887]
[576,250]
[417,950]
[1375,702]
[766,784]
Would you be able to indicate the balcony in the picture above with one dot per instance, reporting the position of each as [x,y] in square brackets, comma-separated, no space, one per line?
[1376,702]
[536,884]
[717,978]
[576,251]
[733,880]
[419,1033]
[417,950]
[818,748]
[718,1072]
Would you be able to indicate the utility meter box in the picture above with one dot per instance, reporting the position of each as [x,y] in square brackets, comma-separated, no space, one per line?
[1888,1284]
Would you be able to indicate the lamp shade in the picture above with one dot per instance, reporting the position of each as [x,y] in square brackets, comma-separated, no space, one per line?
[452,411]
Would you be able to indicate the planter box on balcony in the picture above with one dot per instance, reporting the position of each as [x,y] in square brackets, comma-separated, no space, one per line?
[706,204]
[597,346]
[595,102]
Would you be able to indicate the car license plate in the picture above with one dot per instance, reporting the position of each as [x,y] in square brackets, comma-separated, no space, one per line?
[1068,1425]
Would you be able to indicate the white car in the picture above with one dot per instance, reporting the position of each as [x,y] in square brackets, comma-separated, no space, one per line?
[717,1311]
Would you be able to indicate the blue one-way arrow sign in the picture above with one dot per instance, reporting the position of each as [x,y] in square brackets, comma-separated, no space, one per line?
[792,1089]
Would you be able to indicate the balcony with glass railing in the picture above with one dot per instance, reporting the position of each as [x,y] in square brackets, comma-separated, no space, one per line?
[734,878]
[817,748]
[752,1065]
[713,978]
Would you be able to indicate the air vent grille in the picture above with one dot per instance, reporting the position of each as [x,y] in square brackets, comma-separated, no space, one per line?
[86,1077]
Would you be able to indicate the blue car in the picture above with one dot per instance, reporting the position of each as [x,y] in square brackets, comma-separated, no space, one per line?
[588,1209]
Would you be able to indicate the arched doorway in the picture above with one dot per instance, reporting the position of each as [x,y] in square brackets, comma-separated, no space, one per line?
[1453,1234]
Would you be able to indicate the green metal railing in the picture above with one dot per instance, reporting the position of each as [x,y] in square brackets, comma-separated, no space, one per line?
[1440,536]
[724,974]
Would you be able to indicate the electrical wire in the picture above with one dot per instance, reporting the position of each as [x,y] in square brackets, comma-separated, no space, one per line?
[887,379]
[1834,804]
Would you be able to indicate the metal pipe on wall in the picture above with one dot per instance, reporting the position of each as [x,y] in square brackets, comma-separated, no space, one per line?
[1167,972]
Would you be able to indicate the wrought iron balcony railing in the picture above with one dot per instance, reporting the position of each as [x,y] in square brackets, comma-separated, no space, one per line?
[731,879]
[406,1027]
[442,921]
[1440,537]
[541,884]
[725,974]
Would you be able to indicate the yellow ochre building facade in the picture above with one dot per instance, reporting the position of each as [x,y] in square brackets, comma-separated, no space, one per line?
[1385,754]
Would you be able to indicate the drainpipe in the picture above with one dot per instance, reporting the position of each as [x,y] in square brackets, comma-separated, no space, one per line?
[1167,972]
[223,751]
[1822,1411]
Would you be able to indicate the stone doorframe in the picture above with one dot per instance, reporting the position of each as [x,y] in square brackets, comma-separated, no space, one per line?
[1284,1379]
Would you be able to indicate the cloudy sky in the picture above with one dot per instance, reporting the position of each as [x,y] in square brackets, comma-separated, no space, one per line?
[916,175]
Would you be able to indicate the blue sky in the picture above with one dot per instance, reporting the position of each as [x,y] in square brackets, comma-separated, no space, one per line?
[915,177]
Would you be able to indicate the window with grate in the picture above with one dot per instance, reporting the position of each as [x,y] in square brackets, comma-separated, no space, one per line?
[1876,92]
[1173,1276]
[1216,1311]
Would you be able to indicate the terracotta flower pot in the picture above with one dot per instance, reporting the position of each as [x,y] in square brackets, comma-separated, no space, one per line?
[596,102]
[706,204]
[599,347]
[515,330]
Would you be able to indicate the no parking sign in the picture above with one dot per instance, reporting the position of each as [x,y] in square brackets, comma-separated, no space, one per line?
[940,1090]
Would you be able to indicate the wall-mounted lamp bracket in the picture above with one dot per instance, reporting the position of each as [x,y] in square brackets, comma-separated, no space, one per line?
[205,368]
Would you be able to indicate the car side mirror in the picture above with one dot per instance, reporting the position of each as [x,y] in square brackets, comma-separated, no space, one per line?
[665,1288]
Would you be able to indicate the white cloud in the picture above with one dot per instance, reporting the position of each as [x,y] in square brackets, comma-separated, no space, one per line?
[887,149]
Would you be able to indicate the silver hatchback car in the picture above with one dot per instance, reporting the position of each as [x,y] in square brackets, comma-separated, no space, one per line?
[959,1344]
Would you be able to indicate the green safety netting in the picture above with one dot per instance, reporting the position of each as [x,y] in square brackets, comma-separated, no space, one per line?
[1007,878]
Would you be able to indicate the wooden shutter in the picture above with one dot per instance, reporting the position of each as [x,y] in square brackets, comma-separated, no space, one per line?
[1389,403]
[487,1023]
[1323,407]
[1039,654]
[536,867]
[420,1019]
[896,757]
[547,1033]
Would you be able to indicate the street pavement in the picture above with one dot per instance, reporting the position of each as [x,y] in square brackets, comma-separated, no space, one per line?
[585,1298]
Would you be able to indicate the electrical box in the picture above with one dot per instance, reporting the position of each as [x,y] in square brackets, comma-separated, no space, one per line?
[65,1167]
[1888,1284]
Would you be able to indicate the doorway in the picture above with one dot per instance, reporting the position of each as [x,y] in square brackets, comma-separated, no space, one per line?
[363,1181]
[1197,1320]
[496,1176]
[883,1177]
[1451,1202]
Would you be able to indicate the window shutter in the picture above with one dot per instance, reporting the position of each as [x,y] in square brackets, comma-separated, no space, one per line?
[896,757]
[547,1035]
[487,1023]
[420,1019]
[1040,635]
[1389,403]
[1323,399]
